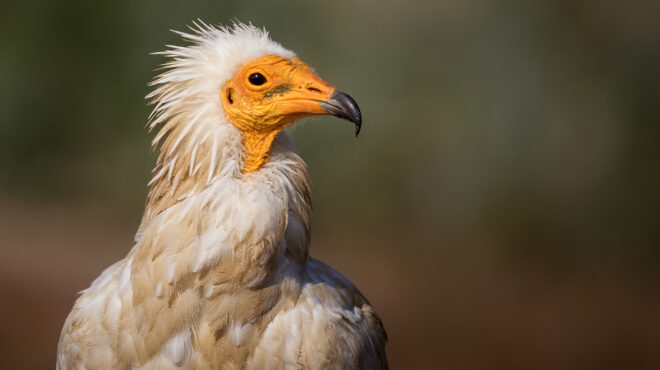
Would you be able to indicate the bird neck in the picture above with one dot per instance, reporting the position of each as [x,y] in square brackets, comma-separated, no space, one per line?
[257,149]
[239,224]
[228,155]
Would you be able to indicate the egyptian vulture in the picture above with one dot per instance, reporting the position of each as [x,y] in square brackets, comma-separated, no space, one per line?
[220,275]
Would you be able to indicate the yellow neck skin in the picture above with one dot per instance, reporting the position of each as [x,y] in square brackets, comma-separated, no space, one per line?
[257,143]
[257,149]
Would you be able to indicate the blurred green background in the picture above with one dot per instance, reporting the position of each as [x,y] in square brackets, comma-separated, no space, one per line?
[500,209]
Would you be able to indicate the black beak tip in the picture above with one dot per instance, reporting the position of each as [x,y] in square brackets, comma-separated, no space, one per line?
[344,106]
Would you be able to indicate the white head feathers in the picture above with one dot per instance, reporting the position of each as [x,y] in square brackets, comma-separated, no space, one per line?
[188,109]
[197,144]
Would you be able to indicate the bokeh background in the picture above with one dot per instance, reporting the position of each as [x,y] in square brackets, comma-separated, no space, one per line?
[501,208]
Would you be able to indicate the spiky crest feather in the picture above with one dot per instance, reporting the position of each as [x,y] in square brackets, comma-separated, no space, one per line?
[195,141]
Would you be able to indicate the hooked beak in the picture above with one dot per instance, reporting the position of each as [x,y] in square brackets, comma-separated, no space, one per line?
[303,93]
[343,106]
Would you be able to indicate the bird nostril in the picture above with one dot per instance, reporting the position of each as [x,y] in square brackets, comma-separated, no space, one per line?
[314,89]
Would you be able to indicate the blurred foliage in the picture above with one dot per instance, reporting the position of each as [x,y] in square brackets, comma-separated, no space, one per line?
[530,126]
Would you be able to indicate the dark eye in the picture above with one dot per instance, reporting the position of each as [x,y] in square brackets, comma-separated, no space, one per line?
[257,79]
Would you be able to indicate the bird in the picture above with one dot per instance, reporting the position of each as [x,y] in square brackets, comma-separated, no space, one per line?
[220,275]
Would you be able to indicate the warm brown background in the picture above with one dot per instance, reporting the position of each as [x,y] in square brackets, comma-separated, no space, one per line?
[501,208]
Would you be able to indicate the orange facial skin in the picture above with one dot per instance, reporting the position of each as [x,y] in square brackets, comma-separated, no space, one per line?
[262,107]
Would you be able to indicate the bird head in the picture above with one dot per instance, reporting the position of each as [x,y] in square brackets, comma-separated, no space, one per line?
[272,92]
[240,77]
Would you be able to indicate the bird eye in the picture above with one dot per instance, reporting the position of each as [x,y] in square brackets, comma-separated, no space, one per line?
[257,79]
